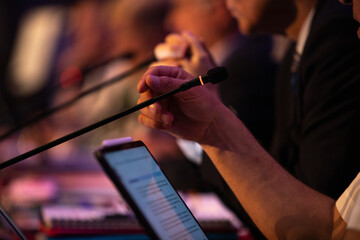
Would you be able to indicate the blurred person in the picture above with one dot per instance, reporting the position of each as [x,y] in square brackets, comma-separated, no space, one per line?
[133,30]
[33,30]
[313,128]
[86,40]
[248,91]
[280,205]
[53,38]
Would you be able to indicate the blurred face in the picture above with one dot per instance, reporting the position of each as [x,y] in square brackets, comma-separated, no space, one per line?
[262,16]
[356,11]
[191,15]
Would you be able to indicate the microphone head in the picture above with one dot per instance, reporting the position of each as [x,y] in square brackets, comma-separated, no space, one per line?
[217,74]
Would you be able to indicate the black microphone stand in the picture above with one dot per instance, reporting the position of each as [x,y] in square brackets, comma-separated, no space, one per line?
[100,86]
[11,224]
[84,130]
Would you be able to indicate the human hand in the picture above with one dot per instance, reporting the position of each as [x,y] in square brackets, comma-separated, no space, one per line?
[186,51]
[187,115]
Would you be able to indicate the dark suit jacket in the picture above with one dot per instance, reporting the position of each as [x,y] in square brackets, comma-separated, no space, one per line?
[317,131]
[249,89]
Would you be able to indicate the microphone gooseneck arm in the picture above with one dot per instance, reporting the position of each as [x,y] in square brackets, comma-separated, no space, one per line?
[11,224]
[51,111]
[214,75]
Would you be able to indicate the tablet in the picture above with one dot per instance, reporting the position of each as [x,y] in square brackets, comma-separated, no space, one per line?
[158,206]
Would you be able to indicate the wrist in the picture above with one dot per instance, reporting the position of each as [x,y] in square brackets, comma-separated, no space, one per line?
[227,132]
[220,132]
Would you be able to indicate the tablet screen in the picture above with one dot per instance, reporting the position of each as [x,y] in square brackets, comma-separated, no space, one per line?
[153,194]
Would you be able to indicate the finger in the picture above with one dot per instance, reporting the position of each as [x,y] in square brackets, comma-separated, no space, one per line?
[177,39]
[198,48]
[163,122]
[173,73]
[174,47]
[162,84]
[152,112]
[168,71]
[172,63]
[142,87]
[155,111]
[151,115]
[165,51]
[154,108]
[149,122]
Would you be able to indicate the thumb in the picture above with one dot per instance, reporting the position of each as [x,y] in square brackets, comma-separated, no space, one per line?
[162,78]
[162,84]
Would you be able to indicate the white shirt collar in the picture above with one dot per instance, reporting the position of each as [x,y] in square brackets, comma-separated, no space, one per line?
[304,32]
[348,204]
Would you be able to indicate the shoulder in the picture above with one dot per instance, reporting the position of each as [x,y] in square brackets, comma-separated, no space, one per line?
[331,54]
[333,31]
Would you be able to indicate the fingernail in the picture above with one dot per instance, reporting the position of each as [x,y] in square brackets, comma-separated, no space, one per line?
[139,87]
[166,121]
[155,81]
[152,108]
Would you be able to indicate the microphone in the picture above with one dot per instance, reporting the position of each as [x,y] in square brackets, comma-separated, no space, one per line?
[74,74]
[100,86]
[89,68]
[214,75]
